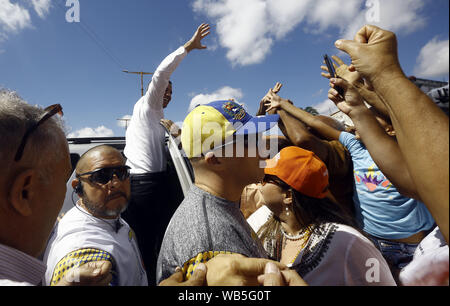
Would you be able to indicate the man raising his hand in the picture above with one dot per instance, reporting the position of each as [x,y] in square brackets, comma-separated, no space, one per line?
[148,212]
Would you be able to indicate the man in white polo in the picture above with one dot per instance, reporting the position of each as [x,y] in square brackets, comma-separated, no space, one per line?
[149,210]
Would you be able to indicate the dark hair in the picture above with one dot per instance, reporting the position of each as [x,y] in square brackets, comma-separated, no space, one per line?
[312,211]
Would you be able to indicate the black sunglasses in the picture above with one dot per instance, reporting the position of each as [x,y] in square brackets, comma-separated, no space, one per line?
[49,112]
[104,175]
[270,179]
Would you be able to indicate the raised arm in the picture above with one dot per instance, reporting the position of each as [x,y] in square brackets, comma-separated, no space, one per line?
[299,135]
[196,41]
[160,80]
[355,79]
[323,129]
[383,148]
[422,128]
[262,105]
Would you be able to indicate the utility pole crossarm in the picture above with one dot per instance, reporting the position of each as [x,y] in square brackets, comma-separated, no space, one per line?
[141,73]
[126,120]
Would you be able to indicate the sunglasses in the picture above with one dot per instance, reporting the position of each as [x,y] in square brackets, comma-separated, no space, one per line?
[49,112]
[104,175]
[270,180]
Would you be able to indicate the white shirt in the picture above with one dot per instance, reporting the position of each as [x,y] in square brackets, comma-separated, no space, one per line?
[430,264]
[348,259]
[145,148]
[80,230]
[259,218]
[19,269]
[351,260]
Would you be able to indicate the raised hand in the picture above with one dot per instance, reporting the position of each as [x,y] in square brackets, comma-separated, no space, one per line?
[263,104]
[373,52]
[343,72]
[364,88]
[276,89]
[171,127]
[351,98]
[273,103]
[196,41]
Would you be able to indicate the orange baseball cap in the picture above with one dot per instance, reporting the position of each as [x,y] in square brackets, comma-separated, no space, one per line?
[300,169]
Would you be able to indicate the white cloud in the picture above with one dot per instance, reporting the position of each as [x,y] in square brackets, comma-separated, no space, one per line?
[241,28]
[13,17]
[331,13]
[41,7]
[433,60]
[248,29]
[394,15]
[326,107]
[100,131]
[224,93]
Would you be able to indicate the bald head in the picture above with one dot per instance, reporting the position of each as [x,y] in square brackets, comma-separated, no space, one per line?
[108,196]
[87,159]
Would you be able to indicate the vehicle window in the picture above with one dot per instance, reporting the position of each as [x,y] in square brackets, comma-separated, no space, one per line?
[74,158]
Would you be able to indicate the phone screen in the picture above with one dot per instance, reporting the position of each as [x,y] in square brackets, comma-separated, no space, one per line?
[332,72]
[329,66]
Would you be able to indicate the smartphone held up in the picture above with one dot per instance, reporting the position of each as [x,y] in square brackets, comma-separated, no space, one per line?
[332,72]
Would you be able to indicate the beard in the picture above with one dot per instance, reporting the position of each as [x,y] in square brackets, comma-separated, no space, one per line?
[104,212]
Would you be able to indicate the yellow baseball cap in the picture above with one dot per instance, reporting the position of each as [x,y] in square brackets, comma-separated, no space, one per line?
[213,125]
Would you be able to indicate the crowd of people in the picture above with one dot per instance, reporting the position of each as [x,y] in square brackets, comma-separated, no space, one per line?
[336,205]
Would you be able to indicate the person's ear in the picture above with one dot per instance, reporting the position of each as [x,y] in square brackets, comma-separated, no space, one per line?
[390,130]
[287,197]
[211,159]
[23,192]
[75,183]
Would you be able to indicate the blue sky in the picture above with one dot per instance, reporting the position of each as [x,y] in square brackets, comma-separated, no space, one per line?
[253,45]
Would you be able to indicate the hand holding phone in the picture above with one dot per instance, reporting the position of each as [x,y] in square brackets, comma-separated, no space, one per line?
[332,72]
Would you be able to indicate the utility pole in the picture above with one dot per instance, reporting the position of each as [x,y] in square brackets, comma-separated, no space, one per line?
[126,122]
[142,78]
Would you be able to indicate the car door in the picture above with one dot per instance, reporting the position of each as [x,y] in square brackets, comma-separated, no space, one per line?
[181,163]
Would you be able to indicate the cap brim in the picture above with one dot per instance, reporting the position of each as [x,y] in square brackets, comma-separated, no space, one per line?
[258,125]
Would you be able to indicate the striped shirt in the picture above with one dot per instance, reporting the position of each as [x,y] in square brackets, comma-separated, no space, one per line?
[18,268]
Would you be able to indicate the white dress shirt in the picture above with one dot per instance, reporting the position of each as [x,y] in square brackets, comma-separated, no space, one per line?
[19,269]
[145,149]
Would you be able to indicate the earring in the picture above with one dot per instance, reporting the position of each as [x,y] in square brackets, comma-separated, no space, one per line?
[287,211]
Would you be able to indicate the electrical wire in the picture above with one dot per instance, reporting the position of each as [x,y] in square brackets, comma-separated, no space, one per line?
[95,38]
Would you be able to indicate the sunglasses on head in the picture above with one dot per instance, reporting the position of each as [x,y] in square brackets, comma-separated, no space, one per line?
[104,175]
[48,113]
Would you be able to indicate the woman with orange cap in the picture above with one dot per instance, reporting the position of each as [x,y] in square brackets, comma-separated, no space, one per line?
[309,232]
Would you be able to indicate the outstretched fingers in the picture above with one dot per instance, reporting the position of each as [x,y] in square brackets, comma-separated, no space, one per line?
[338,60]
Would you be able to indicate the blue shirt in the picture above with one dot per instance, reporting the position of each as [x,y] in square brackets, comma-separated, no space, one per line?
[380,209]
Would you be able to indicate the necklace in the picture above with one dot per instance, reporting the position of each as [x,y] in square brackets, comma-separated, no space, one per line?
[301,248]
[303,236]
[299,236]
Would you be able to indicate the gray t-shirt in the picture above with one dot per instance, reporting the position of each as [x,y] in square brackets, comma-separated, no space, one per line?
[205,223]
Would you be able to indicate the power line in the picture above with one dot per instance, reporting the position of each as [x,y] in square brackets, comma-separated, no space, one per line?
[99,42]
[94,37]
